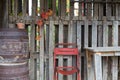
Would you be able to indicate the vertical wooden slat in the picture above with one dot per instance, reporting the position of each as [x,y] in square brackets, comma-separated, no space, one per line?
[115,43]
[63,8]
[47,52]
[70,35]
[115,68]
[96,10]
[117,11]
[74,40]
[5,11]
[98,67]
[32,67]
[71,9]
[59,8]
[105,43]
[100,10]
[79,42]
[86,33]
[41,54]
[105,33]
[60,58]
[54,6]
[15,8]
[108,10]
[32,49]
[89,10]
[94,33]
[24,8]
[41,5]
[115,33]
[51,47]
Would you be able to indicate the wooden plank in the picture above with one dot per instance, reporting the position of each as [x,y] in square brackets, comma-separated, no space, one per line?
[115,43]
[90,71]
[79,43]
[89,10]
[5,18]
[47,52]
[71,10]
[115,33]
[105,33]
[115,68]
[80,10]
[96,10]
[100,11]
[54,6]
[24,8]
[70,35]
[60,59]
[41,5]
[86,33]
[32,49]
[105,68]
[15,8]
[51,47]
[117,11]
[94,33]
[41,55]
[108,10]
[98,67]
[63,8]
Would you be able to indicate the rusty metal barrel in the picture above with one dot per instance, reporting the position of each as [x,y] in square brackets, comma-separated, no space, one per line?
[14,54]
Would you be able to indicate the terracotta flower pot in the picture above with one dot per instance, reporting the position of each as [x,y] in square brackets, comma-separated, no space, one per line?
[21,25]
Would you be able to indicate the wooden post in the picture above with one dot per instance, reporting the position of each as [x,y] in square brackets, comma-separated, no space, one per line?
[108,10]
[71,9]
[51,47]
[79,43]
[98,67]
[86,33]
[94,33]
[54,6]
[63,8]
[89,10]
[32,49]
[5,11]
[60,58]
[41,54]
[70,35]
[115,43]
[105,43]
[96,10]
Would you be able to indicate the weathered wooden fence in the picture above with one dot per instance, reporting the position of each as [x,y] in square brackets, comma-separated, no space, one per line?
[94,23]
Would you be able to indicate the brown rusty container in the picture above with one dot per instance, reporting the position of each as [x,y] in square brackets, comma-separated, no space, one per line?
[14,54]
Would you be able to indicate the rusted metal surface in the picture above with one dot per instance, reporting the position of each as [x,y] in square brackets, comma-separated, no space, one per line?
[14,54]
[14,71]
[13,45]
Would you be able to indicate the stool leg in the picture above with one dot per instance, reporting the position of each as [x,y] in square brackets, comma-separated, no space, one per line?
[78,76]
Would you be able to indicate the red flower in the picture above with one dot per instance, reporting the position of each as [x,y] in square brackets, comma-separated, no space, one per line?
[40,22]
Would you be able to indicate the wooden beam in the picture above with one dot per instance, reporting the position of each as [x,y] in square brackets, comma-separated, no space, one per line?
[41,54]
[94,33]
[51,47]
[98,67]
[60,58]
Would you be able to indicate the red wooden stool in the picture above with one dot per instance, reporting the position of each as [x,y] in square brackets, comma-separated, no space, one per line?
[65,52]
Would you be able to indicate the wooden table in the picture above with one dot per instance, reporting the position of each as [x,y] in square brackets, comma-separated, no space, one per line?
[94,56]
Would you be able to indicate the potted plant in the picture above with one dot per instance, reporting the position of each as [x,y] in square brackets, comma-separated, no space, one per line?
[20,24]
